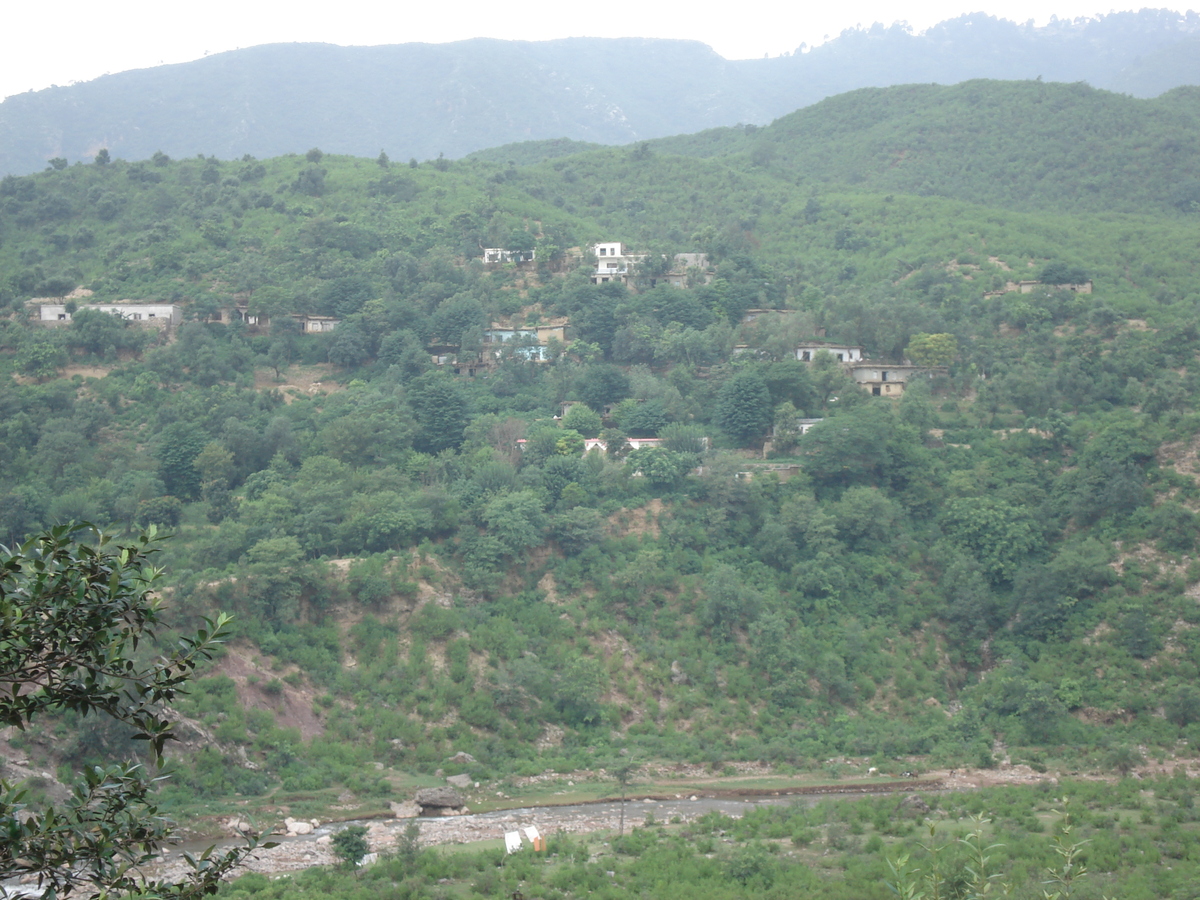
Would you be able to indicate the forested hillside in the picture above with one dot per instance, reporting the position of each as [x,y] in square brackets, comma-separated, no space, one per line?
[424,563]
[1024,145]
[422,100]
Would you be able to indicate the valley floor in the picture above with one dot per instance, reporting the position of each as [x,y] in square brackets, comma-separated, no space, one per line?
[680,800]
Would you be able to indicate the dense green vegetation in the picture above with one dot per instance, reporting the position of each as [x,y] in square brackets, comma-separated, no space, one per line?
[1006,553]
[1044,148]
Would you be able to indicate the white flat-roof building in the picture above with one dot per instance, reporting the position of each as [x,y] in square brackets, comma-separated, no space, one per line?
[608,249]
[500,255]
[316,324]
[843,353]
[159,315]
[613,262]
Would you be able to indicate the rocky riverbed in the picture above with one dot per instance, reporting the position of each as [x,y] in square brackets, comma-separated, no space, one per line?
[315,849]
[301,850]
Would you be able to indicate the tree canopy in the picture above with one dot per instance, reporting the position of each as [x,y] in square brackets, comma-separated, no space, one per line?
[74,607]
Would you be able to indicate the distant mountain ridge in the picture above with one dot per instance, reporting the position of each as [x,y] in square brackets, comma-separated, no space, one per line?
[421,100]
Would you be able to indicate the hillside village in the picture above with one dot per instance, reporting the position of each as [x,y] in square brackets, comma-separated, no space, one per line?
[883,481]
[538,340]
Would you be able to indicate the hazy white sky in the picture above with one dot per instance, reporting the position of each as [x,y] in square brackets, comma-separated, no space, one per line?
[77,40]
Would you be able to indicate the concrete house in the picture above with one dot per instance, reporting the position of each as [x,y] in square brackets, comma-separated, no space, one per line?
[889,379]
[316,324]
[590,444]
[684,268]
[881,379]
[613,261]
[608,250]
[495,255]
[804,425]
[151,315]
[541,335]
[843,353]
[242,314]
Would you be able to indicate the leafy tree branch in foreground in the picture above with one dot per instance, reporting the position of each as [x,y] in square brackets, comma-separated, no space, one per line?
[74,607]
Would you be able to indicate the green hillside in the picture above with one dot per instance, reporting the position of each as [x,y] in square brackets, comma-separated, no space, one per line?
[1001,561]
[527,153]
[1024,145]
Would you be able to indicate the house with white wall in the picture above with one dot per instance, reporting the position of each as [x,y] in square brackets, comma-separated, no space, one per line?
[889,379]
[495,255]
[631,443]
[843,353]
[152,315]
[527,335]
[613,262]
[316,324]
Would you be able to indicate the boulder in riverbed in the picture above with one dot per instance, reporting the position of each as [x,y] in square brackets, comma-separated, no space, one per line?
[297,827]
[241,826]
[438,798]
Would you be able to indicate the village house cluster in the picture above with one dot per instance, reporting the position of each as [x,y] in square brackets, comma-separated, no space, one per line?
[537,341]
[882,379]
[614,262]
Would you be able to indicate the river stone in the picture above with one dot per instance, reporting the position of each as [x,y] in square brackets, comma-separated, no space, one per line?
[459,781]
[297,827]
[406,810]
[438,798]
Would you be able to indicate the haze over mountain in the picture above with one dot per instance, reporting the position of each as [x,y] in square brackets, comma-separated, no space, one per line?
[422,100]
